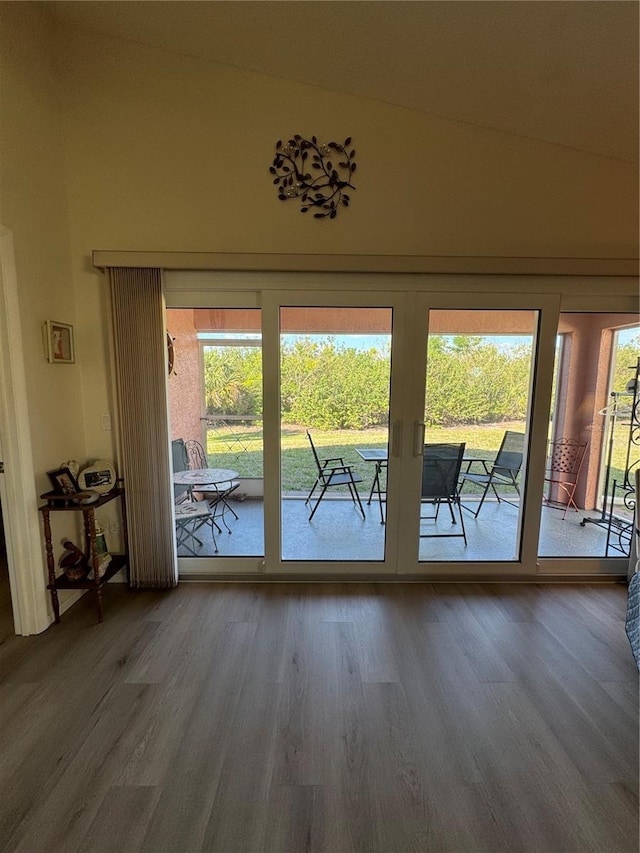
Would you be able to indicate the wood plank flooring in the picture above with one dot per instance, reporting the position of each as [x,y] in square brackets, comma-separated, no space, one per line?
[293,718]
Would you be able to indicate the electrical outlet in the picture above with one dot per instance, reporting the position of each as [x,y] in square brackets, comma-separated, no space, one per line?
[114,526]
[105,421]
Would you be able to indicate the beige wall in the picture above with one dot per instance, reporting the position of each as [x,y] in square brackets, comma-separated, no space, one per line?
[167,152]
[33,203]
[172,153]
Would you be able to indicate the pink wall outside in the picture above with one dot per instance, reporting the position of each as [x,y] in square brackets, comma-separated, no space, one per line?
[583,391]
[185,383]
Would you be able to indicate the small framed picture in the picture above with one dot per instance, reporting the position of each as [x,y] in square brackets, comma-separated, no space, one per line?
[59,340]
[99,477]
[63,481]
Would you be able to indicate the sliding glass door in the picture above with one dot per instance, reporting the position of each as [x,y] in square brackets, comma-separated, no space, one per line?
[215,414]
[468,472]
[593,437]
[405,430]
[333,402]
[392,432]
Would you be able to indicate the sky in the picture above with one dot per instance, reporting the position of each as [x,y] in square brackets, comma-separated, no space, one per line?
[381,342]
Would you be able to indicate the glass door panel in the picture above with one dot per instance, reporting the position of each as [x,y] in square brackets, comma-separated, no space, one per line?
[476,425]
[594,438]
[215,407]
[335,373]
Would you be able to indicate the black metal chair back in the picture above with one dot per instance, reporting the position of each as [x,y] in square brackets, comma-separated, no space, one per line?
[508,461]
[441,465]
[180,462]
[315,456]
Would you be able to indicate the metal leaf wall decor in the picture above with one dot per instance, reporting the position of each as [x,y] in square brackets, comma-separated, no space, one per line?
[317,174]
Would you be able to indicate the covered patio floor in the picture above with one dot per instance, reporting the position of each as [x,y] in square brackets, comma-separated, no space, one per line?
[338,532]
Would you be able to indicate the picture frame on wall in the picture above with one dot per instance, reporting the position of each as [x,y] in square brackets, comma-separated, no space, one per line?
[60,343]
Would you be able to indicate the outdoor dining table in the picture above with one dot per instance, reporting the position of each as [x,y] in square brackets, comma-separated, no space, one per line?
[380,456]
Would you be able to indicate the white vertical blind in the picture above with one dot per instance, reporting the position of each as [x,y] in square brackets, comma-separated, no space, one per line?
[142,398]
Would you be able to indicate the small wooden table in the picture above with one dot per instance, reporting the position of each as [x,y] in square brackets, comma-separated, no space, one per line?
[118,561]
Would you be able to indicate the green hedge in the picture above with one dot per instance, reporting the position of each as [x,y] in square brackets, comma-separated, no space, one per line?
[328,386]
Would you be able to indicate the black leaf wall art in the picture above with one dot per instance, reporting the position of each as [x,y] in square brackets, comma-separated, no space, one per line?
[317,175]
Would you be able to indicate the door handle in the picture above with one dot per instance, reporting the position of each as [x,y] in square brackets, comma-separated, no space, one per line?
[396,439]
[418,437]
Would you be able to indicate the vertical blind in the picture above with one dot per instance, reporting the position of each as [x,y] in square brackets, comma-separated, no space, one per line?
[139,339]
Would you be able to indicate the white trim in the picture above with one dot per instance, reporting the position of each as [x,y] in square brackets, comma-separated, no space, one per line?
[450,264]
[22,521]
[196,285]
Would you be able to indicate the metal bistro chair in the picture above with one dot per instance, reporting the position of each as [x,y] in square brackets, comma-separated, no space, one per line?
[504,470]
[441,465]
[190,516]
[333,472]
[564,462]
[217,495]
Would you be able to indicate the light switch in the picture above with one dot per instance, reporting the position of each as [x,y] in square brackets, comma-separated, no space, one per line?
[106,421]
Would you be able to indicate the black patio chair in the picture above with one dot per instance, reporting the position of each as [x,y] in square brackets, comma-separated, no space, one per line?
[503,472]
[441,465]
[333,472]
[180,462]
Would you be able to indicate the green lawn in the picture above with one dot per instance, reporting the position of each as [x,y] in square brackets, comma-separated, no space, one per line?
[298,469]
[240,448]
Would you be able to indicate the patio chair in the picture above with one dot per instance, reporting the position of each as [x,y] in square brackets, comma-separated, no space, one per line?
[218,495]
[564,462]
[333,472]
[180,462]
[441,465]
[190,517]
[503,472]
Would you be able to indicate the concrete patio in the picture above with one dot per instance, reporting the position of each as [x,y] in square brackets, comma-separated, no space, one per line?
[338,532]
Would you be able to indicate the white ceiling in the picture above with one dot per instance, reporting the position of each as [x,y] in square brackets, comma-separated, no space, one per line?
[562,71]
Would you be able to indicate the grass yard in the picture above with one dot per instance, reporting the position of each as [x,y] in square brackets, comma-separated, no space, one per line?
[240,448]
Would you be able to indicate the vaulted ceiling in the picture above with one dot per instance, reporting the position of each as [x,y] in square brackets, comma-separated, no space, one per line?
[561,72]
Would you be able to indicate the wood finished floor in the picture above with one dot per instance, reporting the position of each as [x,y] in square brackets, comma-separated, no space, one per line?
[324,717]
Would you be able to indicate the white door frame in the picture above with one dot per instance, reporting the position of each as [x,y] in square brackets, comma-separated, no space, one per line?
[525,564]
[551,293]
[19,501]
[272,301]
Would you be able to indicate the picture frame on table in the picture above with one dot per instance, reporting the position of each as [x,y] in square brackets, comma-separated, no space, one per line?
[60,346]
[99,477]
[63,481]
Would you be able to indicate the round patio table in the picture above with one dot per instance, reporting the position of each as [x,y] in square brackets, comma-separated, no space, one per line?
[203,477]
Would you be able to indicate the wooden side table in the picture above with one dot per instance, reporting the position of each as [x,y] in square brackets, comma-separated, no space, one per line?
[118,561]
